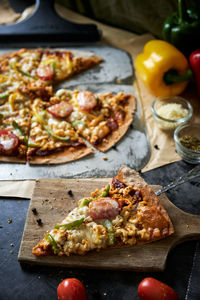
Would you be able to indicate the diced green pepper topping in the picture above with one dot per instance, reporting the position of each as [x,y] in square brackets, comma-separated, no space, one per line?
[78,122]
[40,118]
[26,74]
[86,201]
[52,241]
[3,96]
[17,127]
[111,236]
[21,133]
[71,225]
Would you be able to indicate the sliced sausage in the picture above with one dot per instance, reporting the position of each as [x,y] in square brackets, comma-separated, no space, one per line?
[103,208]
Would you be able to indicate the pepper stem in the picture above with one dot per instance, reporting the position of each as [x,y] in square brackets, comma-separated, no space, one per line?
[172,76]
[181,10]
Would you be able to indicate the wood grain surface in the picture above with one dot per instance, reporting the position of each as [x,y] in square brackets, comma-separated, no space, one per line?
[52,201]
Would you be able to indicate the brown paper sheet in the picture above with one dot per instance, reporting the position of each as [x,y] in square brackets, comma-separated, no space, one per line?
[133,44]
[17,188]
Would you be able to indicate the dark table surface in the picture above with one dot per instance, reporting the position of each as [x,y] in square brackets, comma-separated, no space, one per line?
[36,282]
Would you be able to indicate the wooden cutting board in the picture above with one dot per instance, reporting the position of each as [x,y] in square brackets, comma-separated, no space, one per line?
[52,201]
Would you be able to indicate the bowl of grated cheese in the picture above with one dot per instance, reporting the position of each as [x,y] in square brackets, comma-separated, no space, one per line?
[169,112]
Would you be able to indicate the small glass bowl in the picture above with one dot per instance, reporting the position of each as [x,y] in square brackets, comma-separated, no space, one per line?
[189,129]
[168,124]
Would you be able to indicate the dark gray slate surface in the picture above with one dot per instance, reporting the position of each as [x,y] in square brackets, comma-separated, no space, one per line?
[36,282]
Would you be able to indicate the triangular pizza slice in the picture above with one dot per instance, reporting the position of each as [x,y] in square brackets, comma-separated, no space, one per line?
[102,119]
[57,65]
[126,212]
[52,140]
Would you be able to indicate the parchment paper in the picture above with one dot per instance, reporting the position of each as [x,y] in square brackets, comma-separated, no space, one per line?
[134,44]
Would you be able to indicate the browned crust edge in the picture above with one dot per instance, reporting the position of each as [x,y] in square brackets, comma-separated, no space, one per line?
[67,155]
[12,159]
[131,177]
[116,135]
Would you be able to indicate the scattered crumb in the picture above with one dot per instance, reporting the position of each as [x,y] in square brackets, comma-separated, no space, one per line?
[105,294]
[105,158]
[34,210]
[118,81]
[38,277]
[11,245]
[11,251]
[129,255]
[39,221]
[156,147]
[51,207]
[70,193]
[9,221]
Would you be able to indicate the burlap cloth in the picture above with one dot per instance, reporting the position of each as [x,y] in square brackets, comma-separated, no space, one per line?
[165,152]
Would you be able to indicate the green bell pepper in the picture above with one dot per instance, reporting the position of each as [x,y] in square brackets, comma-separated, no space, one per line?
[21,133]
[71,225]
[53,243]
[86,201]
[182,29]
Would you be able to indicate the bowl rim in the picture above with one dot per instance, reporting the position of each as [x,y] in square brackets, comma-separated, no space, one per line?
[186,118]
[176,139]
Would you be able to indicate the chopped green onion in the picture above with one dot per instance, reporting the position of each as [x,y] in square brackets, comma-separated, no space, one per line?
[53,243]
[111,236]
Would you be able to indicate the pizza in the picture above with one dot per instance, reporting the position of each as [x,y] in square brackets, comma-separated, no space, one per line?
[124,213]
[42,125]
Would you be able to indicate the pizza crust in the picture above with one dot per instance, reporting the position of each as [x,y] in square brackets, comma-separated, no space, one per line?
[116,135]
[131,177]
[12,159]
[67,155]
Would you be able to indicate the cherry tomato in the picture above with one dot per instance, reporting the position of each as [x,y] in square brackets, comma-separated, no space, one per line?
[8,141]
[86,100]
[61,110]
[152,289]
[71,289]
[45,72]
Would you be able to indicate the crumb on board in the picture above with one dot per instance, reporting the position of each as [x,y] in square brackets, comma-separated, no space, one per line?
[156,147]
[34,211]
[11,251]
[119,81]
[105,158]
[70,193]
[39,221]
[105,294]
[11,245]
[9,221]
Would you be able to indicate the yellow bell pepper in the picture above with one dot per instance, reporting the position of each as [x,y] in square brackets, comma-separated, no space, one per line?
[160,66]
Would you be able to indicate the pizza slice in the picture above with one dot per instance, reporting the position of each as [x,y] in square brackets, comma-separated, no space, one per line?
[124,213]
[14,127]
[101,119]
[57,65]
[52,140]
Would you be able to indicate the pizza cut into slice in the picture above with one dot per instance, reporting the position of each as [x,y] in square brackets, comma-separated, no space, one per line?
[101,119]
[14,127]
[52,140]
[124,213]
[57,65]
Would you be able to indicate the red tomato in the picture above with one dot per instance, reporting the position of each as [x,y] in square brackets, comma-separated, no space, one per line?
[45,72]
[71,289]
[8,141]
[61,110]
[152,289]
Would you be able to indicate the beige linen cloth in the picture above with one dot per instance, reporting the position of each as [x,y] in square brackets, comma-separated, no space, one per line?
[133,44]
